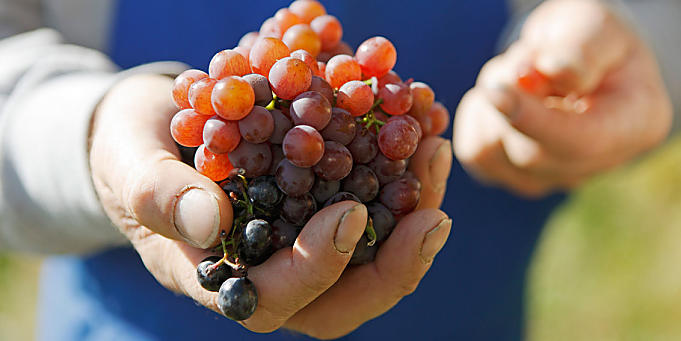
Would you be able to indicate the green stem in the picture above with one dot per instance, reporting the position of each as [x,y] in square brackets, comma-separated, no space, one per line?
[371,232]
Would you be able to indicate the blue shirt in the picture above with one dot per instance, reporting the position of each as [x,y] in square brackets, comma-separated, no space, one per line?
[474,290]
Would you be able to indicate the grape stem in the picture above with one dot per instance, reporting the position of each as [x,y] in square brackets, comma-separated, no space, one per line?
[370,232]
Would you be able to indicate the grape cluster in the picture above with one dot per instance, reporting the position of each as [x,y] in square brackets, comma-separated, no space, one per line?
[289,122]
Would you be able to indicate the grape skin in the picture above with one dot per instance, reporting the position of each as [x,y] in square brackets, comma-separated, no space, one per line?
[363,147]
[387,170]
[258,126]
[285,19]
[200,96]
[265,52]
[376,56]
[248,39]
[298,210]
[412,121]
[401,196]
[341,69]
[362,182]
[341,128]
[308,59]
[355,97]
[270,29]
[277,156]
[283,234]
[398,140]
[303,146]
[397,98]
[186,127]
[255,159]
[311,108]
[302,37]
[292,180]
[228,63]
[307,10]
[329,30]
[181,87]
[341,196]
[281,126]
[261,88]
[289,77]
[423,98]
[233,98]
[221,136]
[320,85]
[336,163]
[383,219]
[439,116]
[215,166]
[323,190]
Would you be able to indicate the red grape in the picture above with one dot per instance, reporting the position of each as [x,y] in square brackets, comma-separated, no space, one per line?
[341,196]
[320,85]
[362,182]
[281,126]
[322,190]
[283,234]
[336,163]
[200,96]
[376,56]
[308,59]
[255,159]
[233,98]
[401,196]
[363,147]
[397,99]
[186,127]
[387,170]
[311,108]
[329,30]
[389,78]
[181,87]
[261,88]
[265,52]
[228,63]
[244,51]
[302,37]
[303,146]
[289,77]
[285,19]
[321,67]
[307,9]
[248,39]
[342,69]
[439,117]
[298,210]
[412,121]
[215,166]
[270,29]
[423,98]
[341,127]
[258,126]
[398,139]
[355,97]
[293,180]
[221,136]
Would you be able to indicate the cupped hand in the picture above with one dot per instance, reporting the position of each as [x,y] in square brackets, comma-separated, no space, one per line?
[577,94]
[171,213]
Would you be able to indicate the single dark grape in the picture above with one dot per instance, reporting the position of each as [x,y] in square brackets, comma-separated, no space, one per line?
[383,220]
[362,182]
[335,164]
[323,87]
[292,180]
[303,146]
[283,234]
[363,252]
[311,108]
[210,277]
[342,127]
[257,235]
[261,87]
[238,298]
[298,210]
[401,196]
[282,125]
[412,121]
[255,159]
[323,190]
[263,191]
[398,139]
[387,170]
[363,147]
[258,126]
[341,196]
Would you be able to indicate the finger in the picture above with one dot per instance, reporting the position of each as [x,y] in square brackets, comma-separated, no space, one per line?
[134,156]
[576,42]
[294,277]
[365,292]
[432,163]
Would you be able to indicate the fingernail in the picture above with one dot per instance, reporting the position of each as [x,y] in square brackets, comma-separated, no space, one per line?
[439,167]
[197,217]
[350,228]
[434,241]
[501,98]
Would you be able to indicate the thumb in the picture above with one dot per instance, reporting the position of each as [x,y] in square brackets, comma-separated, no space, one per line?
[576,43]
[134,158]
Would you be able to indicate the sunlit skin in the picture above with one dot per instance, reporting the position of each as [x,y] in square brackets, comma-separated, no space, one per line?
[289,77]
[221,136]
[328,29]
[187,127]
[228,63]
[285,19]
[342,69]
[200,96]
[397,98]
[265,52]
[214,166]
[182,84]
[233,98]
[376,56]
[356,97]
[302,37]
[423,97]
[307,10]
[303,146]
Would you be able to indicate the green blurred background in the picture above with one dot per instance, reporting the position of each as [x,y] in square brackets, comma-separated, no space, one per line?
[606,268]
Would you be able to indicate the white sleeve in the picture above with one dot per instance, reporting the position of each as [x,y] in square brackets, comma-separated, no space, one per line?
[657,21]
[48,93]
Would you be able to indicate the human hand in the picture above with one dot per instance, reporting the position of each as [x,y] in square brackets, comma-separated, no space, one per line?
[171,213]
[577,94]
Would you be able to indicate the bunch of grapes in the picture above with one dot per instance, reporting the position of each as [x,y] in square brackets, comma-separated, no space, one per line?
[289,122]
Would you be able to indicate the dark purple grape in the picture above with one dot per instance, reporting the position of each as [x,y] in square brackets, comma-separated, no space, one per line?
[383,220]
[261,87]
[258,126]
[335,164]
[235,185]
[401,196]
[323,190]
[292,180]
[341,196]
[264,192]
[212,278]
[364,146]
[282,125]
[387,170]
[311,108]
[238,298]
[362,182]
[363,252]
[298,210]
[255,159]
[323,87]
[283,234]
[341,128]
[277,156]
[398,139]
[257,237]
